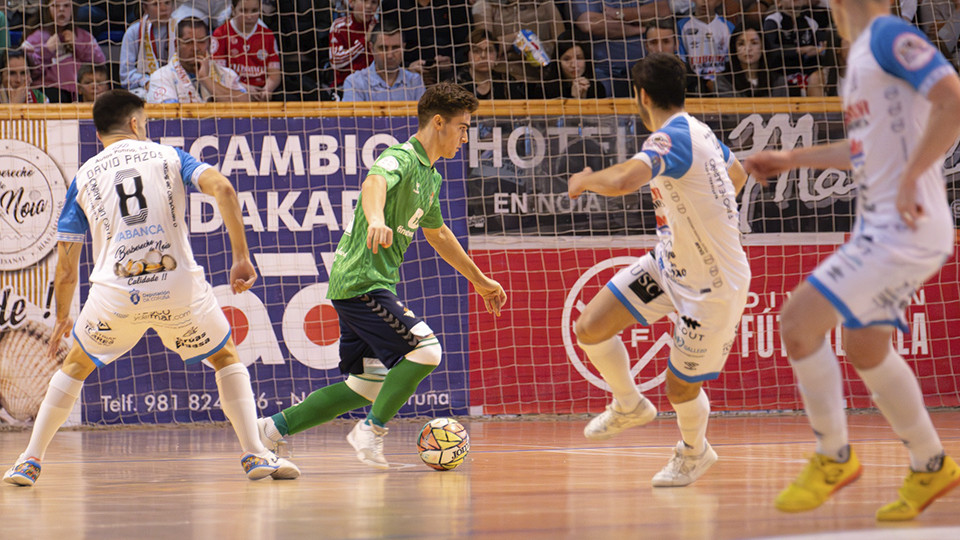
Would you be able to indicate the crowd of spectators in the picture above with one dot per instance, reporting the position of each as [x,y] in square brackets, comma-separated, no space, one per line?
[360,50]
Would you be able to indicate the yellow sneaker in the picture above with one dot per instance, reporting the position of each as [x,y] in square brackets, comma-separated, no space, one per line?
[821,478]
[919,490]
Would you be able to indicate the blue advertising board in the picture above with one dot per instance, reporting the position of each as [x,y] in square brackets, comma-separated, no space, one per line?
[297,180]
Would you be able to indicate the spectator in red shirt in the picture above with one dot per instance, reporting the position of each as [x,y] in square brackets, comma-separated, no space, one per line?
[245,45]
[348,42]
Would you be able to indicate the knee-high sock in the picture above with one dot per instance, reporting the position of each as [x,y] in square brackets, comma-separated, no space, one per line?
[401,382]
[612,361]
[897,394]
[692,417]
[55,408]
[236,398]
[821,387]
[321,406]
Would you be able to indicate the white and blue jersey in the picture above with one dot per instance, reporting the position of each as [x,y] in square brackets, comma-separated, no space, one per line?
[705,46]
[132,198]
[890,69]
[696,207]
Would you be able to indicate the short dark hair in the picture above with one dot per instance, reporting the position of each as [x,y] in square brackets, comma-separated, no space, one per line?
[87,69]
[192,22]
[665,23]
[664,78]
[112,109]
[385,27]
[447,100]
[10,54]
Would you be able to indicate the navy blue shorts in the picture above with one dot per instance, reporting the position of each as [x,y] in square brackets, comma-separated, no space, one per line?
[376,324]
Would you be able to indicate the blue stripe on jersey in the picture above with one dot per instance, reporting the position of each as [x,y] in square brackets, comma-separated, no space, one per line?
[679,158]
[72,225]
[681,47]
[692,378]
[903,51]
[727,155]
[626,303]
[190,168]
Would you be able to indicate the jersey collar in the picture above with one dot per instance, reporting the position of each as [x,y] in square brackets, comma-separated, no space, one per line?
[420,152]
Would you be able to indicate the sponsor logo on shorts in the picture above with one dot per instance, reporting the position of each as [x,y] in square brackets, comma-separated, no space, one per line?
[162,315]
[192,339]
[134,297]
[95,332]
[693,324]
[646,288]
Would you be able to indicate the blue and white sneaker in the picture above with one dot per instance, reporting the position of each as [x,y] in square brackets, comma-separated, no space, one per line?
[23,473]
[258,466]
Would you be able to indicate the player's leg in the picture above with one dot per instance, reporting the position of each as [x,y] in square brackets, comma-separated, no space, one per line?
[62,394]
[806,318]
[632,296]
[896,392]
[693,455]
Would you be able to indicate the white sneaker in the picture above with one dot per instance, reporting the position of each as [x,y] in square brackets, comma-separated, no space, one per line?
[367,440]
[684,468]
[611,421]
[258,466]
[269,435]
[24,472]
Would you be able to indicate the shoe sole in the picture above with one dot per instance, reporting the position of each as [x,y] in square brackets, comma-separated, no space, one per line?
[18,480]
[946,489]
[364,457]
[703,470]
[286,472]
[260,473]
[611,434]
[836,488]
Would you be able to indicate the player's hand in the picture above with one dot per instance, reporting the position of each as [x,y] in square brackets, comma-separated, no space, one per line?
[494,297]
[910,212]
[60,330]
[378,234]
[575,185]
[242,276]
[767,164]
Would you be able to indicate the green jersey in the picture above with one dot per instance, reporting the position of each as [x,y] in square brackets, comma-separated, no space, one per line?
[413,189]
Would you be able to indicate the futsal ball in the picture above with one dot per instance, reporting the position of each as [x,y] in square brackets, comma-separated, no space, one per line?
[443,444]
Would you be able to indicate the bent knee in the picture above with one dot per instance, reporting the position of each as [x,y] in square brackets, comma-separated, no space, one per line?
[428,352]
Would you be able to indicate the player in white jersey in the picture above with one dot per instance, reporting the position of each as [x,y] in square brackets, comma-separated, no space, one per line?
[131,196]
[902,102]
[698,270]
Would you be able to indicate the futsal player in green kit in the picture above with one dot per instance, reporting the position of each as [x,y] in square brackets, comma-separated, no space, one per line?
[385,349]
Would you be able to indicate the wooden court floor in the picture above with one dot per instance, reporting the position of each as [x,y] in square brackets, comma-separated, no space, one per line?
[522,479]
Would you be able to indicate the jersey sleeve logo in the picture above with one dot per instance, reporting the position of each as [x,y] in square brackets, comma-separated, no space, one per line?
[659,143]
[388,163]
[912,51]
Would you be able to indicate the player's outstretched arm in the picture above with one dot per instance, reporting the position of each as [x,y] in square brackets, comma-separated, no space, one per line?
[770,163]
[64,285]
[242,274]
[942,130]
[620,179]
[373,195]
[448,247]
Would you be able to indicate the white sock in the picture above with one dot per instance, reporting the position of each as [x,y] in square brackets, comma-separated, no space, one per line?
[55,408]
[692,417]
[612,361]
[821,387]
[897,394]
[236,398]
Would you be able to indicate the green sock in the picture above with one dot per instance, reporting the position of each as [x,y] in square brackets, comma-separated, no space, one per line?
[280,422]
[321,406]
[400,384]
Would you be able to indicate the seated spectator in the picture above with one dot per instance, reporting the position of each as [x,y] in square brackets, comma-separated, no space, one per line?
[147,45]
[247,46]
[796,49]
[573,76]
[348,39]
[16,81]
[212,12]
[58,47]
[705,43]
[4,34]
[503,19]
[192,76]
[384,79]
[92,81]
[661,36]
[748,75]
[617,43]
[303,31]
[429,27]
[481,77]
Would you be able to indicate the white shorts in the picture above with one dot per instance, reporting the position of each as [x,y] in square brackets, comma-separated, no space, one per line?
[706,324]
[871,283]
[193,332]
